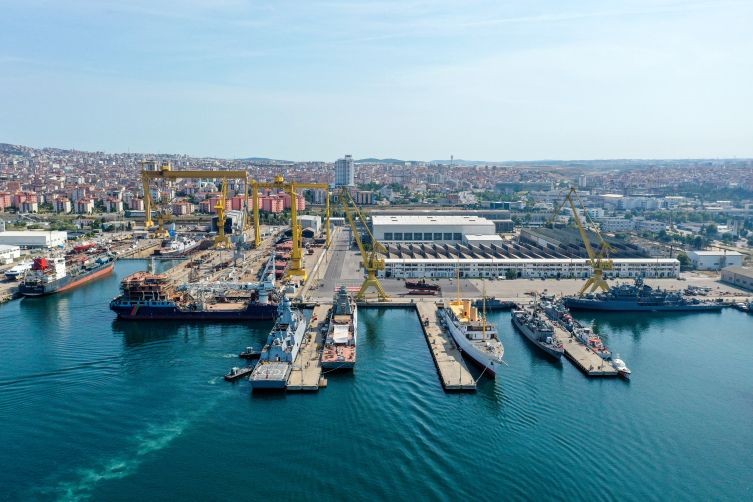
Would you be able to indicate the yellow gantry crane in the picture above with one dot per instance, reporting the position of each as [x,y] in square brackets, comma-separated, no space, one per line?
[150,171]
[599,262]
[372,261]
[221,240]
[290,187]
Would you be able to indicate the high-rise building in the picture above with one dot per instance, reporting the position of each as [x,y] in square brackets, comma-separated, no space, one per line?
[345,172]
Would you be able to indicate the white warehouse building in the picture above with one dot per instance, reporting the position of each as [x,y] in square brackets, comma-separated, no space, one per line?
[9,253]
[526,267]
[713,260]
[424,229]
[33,239]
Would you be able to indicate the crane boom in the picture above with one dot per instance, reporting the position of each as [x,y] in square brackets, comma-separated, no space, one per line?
[371,261]
[598,261]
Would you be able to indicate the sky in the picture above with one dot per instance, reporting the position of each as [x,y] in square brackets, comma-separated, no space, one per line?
[414,80]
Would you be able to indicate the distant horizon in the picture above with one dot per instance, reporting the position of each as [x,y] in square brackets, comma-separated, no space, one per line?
[385,159]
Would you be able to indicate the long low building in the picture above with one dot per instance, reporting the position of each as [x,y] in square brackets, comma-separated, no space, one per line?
[34,239]
[526,267]
[9,253]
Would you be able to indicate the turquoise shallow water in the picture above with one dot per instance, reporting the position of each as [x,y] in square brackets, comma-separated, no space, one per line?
[93,408]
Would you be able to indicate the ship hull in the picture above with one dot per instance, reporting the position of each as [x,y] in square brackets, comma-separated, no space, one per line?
[631,306]
[155,312]
[482,360]
[171,254]
[528,333]
[66,282]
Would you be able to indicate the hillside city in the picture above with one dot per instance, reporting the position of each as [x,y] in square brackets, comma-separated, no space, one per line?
[662,206]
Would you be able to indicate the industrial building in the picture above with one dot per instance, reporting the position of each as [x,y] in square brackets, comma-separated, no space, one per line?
[9,253]
[437,229]
[568,242]
[715,260]
[738,276]
[313,223]
[32,239]
[527,260]
[501,218]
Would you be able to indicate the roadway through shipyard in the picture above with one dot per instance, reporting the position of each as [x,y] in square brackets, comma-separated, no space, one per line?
[344,269]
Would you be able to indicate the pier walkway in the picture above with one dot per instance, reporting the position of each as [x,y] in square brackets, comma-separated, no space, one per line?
[451,367]
[582,357]
[307,369]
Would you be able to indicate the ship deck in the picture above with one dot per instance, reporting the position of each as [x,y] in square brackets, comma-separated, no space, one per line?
[582,357]
[452,368]
[307,370]
[272,375]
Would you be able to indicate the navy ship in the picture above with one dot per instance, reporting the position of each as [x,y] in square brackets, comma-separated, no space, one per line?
[532,322]
[640,296]
[339,351]
[281,349]
[493,304]
[56,274]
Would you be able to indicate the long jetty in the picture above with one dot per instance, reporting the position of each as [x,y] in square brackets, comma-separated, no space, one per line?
[307,368]
[451,367]
[582,357]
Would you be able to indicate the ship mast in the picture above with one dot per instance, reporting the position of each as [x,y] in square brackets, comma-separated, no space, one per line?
[458,280]
[483,333]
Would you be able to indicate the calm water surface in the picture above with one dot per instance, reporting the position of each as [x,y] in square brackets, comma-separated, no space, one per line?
[99,409]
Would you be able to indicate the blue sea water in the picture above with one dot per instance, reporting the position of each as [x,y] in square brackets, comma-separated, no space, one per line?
[92,408]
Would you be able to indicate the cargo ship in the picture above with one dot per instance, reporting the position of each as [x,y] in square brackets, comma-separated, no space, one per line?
[56,274]
[281,349]
[153,296]
[340,346]
[638,297]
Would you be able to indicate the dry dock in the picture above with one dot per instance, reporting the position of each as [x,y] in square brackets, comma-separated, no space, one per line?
[307,369]
[451,367]
[582,357]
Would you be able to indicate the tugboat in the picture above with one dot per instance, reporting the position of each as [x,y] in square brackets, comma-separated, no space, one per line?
[281,349]
[342,336]
[532,322]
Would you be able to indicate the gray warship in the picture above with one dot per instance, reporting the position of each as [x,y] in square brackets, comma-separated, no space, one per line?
[532,322]
[640,296]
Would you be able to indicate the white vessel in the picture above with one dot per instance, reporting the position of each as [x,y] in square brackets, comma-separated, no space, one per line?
[18,270]
[473,335]
[619,365]
[178,247]
[592,341]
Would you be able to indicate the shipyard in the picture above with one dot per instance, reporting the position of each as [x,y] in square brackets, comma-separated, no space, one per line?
[376,251]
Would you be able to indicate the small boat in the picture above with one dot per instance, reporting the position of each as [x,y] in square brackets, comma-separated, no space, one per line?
[18,270]
[249,354]
[593,342]
[237,373]
[619,365]
[422,284]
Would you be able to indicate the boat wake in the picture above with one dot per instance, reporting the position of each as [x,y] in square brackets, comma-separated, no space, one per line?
[154,439]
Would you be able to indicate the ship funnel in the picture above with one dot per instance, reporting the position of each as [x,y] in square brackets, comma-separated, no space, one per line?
[474,314]
[467,307]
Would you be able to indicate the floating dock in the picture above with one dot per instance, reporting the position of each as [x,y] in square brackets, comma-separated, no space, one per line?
[452,369]
[307,369]
[582,357]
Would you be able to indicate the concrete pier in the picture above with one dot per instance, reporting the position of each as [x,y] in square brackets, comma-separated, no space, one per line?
[584,358]
[307,369]
[451,367]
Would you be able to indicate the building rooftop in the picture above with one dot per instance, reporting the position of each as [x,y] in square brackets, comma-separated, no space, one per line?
[748,272]
[428,220]
[716,253]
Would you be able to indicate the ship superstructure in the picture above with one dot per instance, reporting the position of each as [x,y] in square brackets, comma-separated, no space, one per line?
[533,323]
[279,353]
[179,246]
[340,345]
[153,296]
